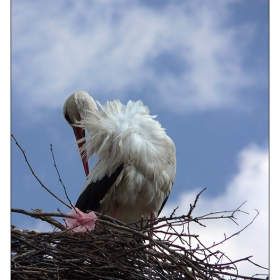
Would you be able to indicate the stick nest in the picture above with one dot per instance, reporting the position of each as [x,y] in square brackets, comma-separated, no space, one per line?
[115,250]
[118,251]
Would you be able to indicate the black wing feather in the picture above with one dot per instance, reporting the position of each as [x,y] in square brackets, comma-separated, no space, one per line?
[163,203]
[90,198]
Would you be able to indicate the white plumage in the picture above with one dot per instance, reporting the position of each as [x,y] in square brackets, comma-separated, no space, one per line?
[136,159]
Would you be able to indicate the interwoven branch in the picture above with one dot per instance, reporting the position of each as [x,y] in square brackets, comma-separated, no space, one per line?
[114,250]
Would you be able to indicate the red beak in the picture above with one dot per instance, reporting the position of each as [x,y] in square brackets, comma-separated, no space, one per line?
[80,133]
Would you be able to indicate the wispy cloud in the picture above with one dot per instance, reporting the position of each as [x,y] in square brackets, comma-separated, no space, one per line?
[186,54]
[33,224]
[249,184]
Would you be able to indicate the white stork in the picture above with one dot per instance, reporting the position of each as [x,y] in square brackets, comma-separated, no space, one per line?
[136,159]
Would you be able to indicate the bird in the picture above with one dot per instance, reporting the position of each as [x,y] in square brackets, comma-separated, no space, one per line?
[136,160]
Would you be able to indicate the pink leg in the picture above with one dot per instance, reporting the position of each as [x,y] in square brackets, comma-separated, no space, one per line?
[152,219]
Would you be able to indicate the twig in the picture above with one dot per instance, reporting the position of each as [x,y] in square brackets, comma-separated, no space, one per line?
[258,265]
[194,205]
[108,255]
[43,216]
[227,238]
[37,213]
[33,173]
[59,178]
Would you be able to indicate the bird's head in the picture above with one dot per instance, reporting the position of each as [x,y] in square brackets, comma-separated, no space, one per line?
[75,109]
[77,105]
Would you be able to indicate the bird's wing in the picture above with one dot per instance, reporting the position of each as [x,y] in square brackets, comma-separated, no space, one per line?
[90,198]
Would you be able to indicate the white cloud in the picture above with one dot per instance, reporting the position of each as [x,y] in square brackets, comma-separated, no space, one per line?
[106,48]
[249,184]
[33,224]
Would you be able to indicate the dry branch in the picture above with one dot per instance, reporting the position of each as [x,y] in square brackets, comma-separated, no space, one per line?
[34,174]
[115,250]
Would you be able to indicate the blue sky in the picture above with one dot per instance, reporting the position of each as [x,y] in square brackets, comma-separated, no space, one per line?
[200,66]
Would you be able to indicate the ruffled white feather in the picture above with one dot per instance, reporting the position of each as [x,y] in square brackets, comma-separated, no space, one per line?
[128,134]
